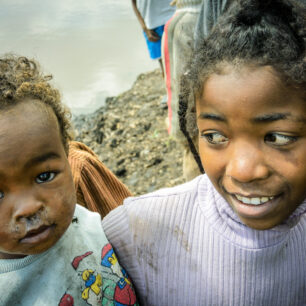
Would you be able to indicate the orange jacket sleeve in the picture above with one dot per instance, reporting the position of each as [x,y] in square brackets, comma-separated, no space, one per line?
[97,188]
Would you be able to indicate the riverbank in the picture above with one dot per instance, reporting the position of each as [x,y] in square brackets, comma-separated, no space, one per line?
[129,134]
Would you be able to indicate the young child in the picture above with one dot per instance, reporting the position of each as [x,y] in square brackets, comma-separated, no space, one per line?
[235,235]
[52,252]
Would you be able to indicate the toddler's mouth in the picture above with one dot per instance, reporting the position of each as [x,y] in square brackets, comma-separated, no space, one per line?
[37,234]
[36,231]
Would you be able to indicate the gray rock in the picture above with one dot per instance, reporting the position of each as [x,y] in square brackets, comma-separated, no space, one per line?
[130,136]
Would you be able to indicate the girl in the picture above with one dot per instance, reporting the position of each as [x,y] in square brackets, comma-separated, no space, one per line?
[235,235]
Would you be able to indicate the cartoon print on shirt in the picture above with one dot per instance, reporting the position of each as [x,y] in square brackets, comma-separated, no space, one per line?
[92,282]
[66,300]
[109,285]
[124,293]
[76,261]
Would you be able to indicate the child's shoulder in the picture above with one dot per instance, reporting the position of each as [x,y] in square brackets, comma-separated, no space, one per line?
[86,225]
[163,194]
[85,218]
[147,207]
[154,210]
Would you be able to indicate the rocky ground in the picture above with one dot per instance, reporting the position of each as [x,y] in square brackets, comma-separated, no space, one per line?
[129,134]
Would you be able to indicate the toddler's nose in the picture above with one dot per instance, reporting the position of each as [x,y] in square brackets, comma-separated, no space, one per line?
[27,207]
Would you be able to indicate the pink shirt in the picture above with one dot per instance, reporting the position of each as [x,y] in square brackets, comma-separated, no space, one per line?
[185,246]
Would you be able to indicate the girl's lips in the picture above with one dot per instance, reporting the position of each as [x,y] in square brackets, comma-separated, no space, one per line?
[255,200]
[37,235]
[249,210]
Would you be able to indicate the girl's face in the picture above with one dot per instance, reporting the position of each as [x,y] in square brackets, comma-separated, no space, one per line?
[37,197]
[252,143]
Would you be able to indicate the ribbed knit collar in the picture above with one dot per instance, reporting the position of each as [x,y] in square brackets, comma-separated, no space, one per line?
[225,221]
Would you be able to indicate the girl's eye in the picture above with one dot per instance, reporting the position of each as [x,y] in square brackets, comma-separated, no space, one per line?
[45,177]
[215,138]
[1,195]
[279,139]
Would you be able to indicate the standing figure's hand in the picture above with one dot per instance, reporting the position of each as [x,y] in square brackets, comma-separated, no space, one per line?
[152,35]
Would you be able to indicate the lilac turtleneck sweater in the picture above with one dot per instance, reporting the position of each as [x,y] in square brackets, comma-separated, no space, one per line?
[185,246]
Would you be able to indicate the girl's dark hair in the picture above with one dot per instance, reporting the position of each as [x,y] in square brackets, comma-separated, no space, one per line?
[21,78]
[251,32]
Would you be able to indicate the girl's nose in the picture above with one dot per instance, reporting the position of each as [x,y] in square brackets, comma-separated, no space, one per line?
[246,163]
[26,206]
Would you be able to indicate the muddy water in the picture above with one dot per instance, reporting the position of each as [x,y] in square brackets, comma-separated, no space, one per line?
[93,48]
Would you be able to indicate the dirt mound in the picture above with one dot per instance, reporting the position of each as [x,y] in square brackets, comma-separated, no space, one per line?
[129,134]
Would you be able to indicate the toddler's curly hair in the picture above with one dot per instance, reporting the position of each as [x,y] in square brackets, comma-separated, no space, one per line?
[20,79]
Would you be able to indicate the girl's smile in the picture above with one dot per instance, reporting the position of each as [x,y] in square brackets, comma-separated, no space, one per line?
[252,143]
[255,200]
[254,207]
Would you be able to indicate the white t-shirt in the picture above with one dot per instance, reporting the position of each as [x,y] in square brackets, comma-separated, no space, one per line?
[155,12]
[80,269]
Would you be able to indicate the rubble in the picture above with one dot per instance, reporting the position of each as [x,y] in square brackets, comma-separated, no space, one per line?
[129,134]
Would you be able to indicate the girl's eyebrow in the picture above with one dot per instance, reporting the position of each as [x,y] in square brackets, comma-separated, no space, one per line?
[259,119]
[212,116]
[277,116]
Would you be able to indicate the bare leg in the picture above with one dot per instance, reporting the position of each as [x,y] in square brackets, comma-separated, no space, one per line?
[161,66]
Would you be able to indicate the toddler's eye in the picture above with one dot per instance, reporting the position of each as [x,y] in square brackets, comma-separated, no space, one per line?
[45,177]
[1,195]
[277,139]
[215,138]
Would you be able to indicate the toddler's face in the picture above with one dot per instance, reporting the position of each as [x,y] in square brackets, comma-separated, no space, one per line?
[37,197]
[253,143]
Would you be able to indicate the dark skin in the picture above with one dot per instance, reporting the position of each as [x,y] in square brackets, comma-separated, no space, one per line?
[37,196]
[152,35]
[253,143]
